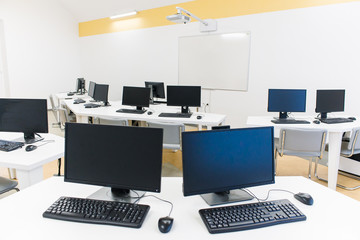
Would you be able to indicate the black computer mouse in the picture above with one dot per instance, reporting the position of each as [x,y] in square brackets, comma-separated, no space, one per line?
[316,121]
[305,198]
[70,94]
[352,118]
[149,113]
[199,117]
[165,224]
[30,148]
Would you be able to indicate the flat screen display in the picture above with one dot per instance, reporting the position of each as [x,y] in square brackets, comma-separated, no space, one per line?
[136,96]
[158,89]
[91,89]
[184,96]
[114,156]
[222,160]
[330,101]
[287,100]
[101,92]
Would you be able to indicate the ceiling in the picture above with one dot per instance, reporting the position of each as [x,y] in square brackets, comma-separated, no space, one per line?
[86,10]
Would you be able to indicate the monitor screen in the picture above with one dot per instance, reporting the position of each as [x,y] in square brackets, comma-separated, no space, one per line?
[23,115]
[330,101]
[119,157]
[184,96]
[136,96]
[287,100]
[222,160]
[158,90]
[91,89]
[101,93]
[80,86]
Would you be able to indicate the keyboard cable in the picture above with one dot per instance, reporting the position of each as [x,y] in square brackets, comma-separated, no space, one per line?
[268,193]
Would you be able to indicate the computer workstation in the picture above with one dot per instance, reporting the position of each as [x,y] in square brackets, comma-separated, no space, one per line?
[157,92]
[135,96]
[99,94]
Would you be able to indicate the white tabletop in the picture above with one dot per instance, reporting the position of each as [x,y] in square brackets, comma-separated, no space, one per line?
[332,216]
[208,119]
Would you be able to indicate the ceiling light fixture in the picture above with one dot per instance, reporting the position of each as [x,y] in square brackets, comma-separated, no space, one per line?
[207,25]
[132,13]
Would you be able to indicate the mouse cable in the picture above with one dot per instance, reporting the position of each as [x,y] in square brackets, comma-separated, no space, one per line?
[268,193]
[44,142]
[144,196]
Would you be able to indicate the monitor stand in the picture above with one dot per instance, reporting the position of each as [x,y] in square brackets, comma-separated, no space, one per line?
[282,116]
[29,138]
[236,195]
[109,194]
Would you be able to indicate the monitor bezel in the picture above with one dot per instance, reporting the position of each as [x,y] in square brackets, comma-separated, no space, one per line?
[273,90]
[143,89]
[328,91]
[159,88]
[169,97]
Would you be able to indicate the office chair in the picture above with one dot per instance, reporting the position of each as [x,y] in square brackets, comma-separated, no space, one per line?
[172,134]
[304,143]
[112,121]
[7,185]
[61,114]
[349,147]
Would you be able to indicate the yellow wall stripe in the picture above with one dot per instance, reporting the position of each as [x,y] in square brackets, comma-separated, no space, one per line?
[202,8]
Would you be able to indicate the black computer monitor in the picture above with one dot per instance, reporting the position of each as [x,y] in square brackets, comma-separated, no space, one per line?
[184,96]
[120,157]
[101,93]
[286,100]
[157,90]
[24,115]
[215,163]
[220,127]
[329,101]
[91,89]
[80,86]
[136,96]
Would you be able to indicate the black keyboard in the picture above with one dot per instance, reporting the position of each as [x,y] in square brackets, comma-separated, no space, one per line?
[79,100]
[91,105]
[8,146]
[176,115]
[335,120]
[250,216]
[97,211]
[289,121]
[125,110]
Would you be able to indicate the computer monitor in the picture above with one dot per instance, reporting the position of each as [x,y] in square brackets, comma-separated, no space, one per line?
[118,157]
[157,90]
[329,101]
[184,96]
[217,164]
[136,96]
[24,115]
[91,89]
[101,93]
[80,86]
[220,127]
[286,100]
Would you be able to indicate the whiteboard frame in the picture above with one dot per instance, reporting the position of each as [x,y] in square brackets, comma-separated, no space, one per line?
[246,81]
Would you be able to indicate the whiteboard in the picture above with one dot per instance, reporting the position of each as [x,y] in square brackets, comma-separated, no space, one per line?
[216,61]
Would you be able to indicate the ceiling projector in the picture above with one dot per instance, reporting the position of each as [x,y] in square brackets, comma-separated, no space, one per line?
[178,18]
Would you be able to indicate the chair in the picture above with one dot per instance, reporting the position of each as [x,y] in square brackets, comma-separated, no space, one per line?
[7,185]
[61,114]
[349,147]
[302,143]
[172,134]
[111,121]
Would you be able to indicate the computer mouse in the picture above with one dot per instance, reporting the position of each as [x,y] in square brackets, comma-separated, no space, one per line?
[352,118]
[316,121]
[165,224]
[305,198]
[199,117]
[30,148]
[149,113]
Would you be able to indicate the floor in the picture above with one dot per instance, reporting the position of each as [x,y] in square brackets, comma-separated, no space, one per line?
[172,166]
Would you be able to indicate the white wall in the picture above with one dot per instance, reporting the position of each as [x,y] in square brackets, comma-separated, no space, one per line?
[42,47]
[312,48]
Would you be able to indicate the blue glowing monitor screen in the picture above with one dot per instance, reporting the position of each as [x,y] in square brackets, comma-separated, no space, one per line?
[222,160]
[287,100]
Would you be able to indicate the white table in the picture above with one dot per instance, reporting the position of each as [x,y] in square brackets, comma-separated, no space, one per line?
[109,112]
[29,165]
[333,215]
[335,132]
[63,96]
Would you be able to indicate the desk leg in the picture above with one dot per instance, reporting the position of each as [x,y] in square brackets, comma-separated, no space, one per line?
[81,119]
[28,178]
[333,158]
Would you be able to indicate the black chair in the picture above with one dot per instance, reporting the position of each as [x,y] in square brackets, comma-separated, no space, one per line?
[7,185]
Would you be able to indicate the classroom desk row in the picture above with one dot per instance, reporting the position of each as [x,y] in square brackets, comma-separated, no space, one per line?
[332,216]
[109,112]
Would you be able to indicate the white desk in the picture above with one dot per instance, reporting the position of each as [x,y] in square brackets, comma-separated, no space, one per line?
[82,114]
[333,215]
[63,96]
[29,165]
[335,132]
